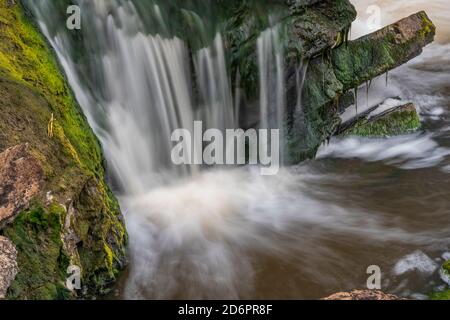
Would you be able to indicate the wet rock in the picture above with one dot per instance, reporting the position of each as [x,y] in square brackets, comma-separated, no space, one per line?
[375,54]
[324,24]
[345,66]
[8,265]
[398,120]
[21,180]
[416,261]
[444,272]
[362,295]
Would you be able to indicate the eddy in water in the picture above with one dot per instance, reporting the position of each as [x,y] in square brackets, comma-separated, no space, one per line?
[354,195]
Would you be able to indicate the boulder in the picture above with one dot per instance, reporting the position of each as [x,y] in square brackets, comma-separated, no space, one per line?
[21,180]
[8,265]
[362,295]
[398,120]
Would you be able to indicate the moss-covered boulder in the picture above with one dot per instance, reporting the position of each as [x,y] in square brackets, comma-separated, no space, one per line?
[444,272]
[396,121]
[73,218]
[443,295]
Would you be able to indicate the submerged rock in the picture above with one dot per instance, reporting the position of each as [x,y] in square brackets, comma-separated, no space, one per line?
[417,261]
[21,180]
[8,265]
[395,121]
[362,295]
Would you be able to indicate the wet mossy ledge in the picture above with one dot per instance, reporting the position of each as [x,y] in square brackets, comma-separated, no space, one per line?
[393,122]
[73,218]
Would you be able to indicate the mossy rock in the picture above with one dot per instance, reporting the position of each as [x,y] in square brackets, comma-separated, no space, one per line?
[82,216]
[444,272]
[42,261]
[444,295]
[401,120]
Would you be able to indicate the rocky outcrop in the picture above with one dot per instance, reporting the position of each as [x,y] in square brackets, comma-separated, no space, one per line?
[373,55]
[316,36]
[362,295]
[21,180]
[8,265]
[53,190]
[347,66]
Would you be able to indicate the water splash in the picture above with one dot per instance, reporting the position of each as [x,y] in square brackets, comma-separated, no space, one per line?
[414,151]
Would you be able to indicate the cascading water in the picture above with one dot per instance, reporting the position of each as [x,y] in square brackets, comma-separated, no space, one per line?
[231,233]
[271,82]
[136,89]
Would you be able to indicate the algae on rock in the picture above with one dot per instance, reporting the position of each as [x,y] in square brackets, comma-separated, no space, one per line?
[398,121]
[74,219]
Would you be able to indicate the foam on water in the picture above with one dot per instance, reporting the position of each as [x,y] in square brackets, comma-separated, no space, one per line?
[417,261]
[414,151]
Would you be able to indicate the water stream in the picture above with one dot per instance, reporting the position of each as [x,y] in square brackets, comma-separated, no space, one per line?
[307,232]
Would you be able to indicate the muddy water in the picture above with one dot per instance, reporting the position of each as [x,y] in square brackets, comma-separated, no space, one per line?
[313,229]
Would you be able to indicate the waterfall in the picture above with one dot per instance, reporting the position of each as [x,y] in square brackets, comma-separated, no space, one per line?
[137,82]
[138,88]
[197,233]
[271,82]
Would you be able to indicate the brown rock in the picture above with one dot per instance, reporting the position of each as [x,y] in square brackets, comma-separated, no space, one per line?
[8,265]
[21,178]
[362,295]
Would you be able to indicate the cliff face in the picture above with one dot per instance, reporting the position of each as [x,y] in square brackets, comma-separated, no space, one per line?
[55,206]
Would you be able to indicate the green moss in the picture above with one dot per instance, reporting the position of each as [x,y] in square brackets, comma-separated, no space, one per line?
[32,89]
[26,58]
[428,26]
[395,123]
[446,266]
[42,262]
[371,56]
[445,295]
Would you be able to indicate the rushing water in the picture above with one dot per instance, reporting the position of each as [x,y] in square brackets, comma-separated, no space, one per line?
[307,232]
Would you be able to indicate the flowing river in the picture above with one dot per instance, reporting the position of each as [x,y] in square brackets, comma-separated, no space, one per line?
[305,233]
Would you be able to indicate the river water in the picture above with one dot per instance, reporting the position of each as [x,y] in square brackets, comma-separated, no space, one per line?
[309,231]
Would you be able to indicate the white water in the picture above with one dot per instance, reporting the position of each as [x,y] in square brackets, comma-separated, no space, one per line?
[195,234]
